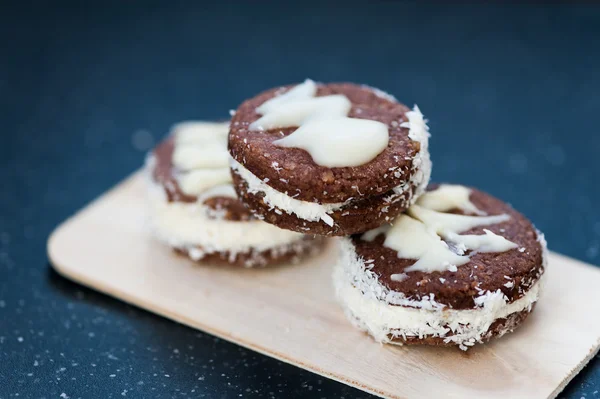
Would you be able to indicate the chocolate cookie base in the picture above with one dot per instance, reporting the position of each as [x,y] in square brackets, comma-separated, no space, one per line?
[355,217]
[294,253]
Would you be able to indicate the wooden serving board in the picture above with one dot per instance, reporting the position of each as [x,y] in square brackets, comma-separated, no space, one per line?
[290,312]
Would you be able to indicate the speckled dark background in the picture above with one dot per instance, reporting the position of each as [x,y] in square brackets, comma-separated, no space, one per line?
[511,92]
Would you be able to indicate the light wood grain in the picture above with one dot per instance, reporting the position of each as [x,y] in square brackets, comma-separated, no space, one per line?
[290,312]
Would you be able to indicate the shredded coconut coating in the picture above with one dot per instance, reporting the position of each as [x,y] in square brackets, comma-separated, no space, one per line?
[391,317]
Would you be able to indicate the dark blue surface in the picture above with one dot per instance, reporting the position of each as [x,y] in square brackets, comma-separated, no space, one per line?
[511,92]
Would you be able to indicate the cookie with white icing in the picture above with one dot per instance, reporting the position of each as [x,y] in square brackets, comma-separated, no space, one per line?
[459,268]
[194,208]
[328,159]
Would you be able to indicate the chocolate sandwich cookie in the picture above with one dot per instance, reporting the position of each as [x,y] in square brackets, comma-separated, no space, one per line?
[328,159]
[194,208]
[459,268]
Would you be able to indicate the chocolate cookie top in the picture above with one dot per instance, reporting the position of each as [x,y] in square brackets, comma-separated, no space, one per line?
[512,271]
[293,170]
[169,176]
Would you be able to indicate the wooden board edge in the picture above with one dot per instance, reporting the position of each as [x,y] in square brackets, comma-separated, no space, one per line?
[593,352]
[78,278]
[163,312]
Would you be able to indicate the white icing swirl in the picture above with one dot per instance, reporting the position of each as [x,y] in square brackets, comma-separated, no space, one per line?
[200,156]
[324,130]
[418,234]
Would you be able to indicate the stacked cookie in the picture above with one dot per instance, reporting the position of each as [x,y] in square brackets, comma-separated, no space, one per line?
[194,208]
[332,160]
[418,264]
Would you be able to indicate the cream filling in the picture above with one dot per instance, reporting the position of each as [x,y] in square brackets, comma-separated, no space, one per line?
[305,210]
[190,225]
[463,327]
